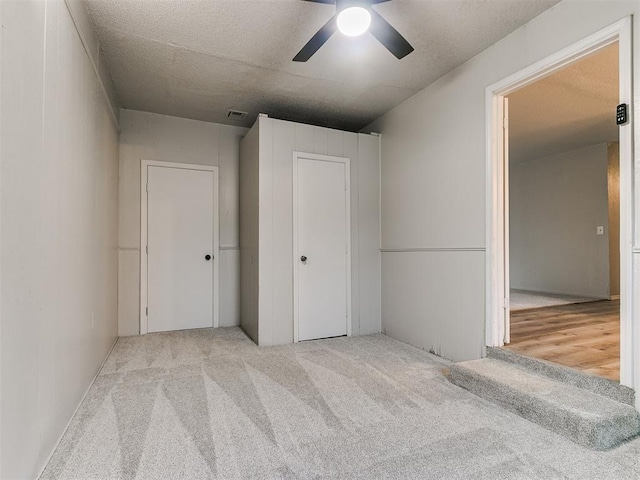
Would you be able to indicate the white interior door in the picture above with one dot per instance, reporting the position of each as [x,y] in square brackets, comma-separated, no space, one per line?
[180,239]
[322,229]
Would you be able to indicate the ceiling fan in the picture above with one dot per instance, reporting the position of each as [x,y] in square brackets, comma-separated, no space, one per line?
[353,18]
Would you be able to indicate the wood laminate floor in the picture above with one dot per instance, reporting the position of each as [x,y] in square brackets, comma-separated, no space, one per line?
[584,336]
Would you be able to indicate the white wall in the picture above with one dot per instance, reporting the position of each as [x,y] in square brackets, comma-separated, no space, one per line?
[151,136]
[433,183]
[278,140]
[556,203]
[249,231]
[58,231]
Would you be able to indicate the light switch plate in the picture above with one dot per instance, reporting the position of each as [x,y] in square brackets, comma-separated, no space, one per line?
[600,230]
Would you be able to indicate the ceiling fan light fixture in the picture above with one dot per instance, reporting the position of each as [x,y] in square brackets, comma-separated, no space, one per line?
[353,18]
[354,21]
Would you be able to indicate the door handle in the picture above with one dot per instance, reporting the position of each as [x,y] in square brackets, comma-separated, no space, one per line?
[208,257]
[303,258]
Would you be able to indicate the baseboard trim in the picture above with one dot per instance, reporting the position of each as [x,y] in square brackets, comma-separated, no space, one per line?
[55,447]
[568,294]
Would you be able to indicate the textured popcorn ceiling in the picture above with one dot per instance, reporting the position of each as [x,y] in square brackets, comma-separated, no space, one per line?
[198,58]
[570,109]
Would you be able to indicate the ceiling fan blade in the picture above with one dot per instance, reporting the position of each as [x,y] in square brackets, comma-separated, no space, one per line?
[373,2]
[331,2]
[317,41]
[389,36]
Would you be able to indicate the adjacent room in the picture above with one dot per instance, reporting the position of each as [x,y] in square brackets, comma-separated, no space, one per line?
[564,211]
[328,239]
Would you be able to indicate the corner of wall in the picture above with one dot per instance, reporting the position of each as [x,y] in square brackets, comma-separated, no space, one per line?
[84,26]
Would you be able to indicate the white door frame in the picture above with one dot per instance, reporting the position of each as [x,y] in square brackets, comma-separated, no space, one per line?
[144,164]
[497,310]
[296,254]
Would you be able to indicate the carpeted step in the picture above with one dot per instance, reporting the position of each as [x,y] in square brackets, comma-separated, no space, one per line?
[601,386]
[587,418]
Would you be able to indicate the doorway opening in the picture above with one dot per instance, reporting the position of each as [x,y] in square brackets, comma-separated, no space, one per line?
[564,216]
[559,209]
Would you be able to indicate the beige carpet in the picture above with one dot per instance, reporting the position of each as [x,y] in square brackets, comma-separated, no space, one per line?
[210,404]
[525,300]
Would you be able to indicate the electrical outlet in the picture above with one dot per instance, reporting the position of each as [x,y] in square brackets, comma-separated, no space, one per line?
[600,230]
